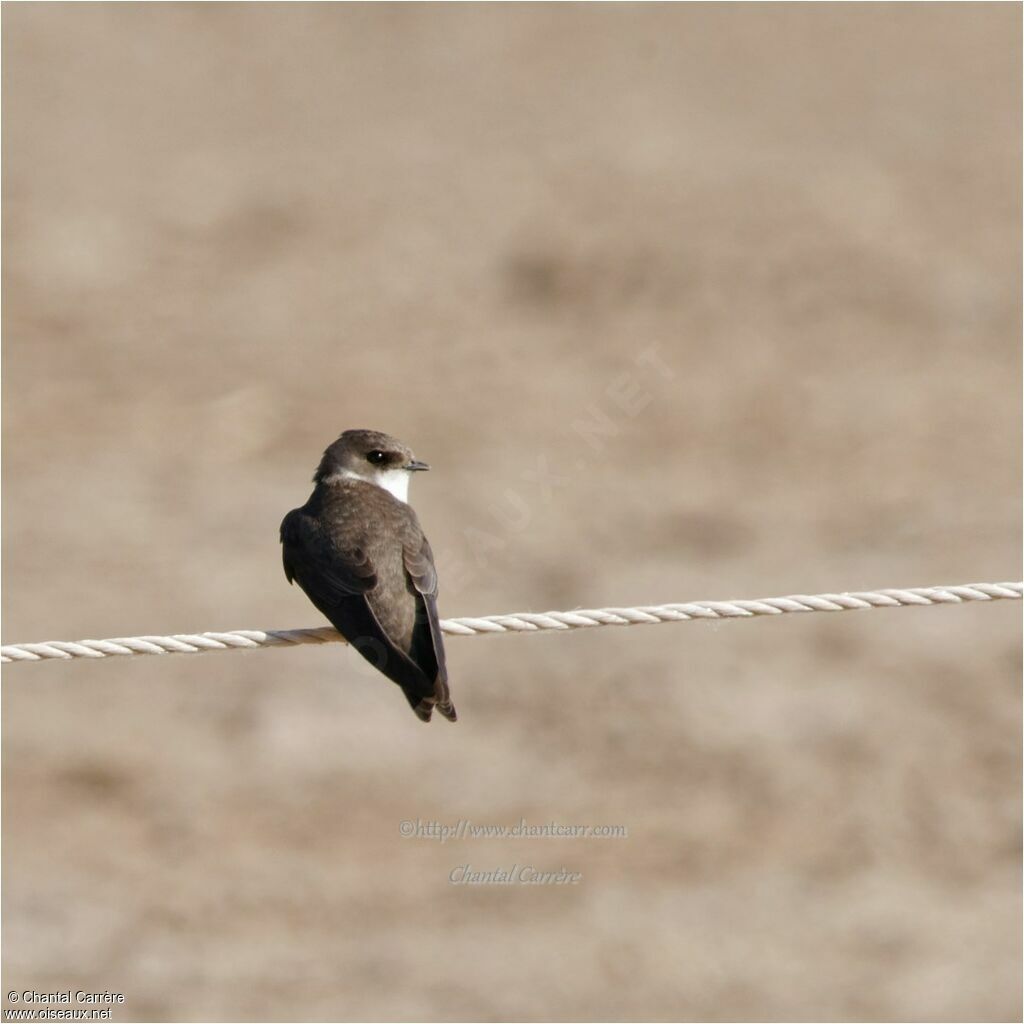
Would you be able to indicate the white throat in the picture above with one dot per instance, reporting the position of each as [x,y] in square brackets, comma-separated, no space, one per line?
[394,481]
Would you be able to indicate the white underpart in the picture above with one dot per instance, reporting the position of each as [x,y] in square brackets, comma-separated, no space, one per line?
[394,481]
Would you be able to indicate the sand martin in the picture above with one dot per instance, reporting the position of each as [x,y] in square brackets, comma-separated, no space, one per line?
[356,548]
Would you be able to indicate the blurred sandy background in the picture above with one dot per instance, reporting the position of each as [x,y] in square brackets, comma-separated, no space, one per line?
[232,231]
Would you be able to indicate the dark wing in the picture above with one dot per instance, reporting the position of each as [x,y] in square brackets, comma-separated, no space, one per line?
[325,572]
[428,643]
[337,580]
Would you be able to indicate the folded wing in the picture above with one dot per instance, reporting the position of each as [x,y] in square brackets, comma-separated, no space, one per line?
[338,580]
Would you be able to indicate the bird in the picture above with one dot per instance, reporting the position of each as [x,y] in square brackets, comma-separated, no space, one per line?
[357,550]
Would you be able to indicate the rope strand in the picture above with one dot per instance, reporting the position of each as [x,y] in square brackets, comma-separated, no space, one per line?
[521,622]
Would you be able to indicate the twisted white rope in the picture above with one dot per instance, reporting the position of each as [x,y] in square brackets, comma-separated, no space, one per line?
[523,622]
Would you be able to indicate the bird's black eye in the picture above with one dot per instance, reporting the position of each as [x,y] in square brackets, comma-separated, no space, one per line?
[376,457]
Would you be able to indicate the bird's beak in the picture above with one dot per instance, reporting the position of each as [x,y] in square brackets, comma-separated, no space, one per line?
[416,465]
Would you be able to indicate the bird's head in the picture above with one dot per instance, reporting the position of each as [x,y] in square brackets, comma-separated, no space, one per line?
[373,457]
